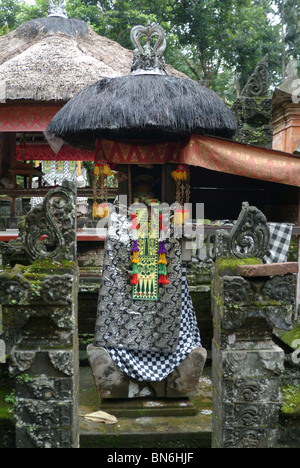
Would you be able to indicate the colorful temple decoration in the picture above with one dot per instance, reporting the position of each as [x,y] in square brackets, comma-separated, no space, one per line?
[182,179]
[148,254]
[211,153]
[102,171]
[42,152]
[139,152]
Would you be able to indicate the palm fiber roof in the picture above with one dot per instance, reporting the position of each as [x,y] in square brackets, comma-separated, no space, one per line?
[147,104]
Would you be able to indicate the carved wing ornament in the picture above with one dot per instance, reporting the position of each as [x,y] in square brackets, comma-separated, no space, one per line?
[149,31]
[49,230]
[250,236]
[148,58]
[57,8]
[257,85]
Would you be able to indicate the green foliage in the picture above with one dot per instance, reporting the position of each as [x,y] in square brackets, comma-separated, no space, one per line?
[29,12]
[8,15]
[291,400]
[292,336]
[290,23]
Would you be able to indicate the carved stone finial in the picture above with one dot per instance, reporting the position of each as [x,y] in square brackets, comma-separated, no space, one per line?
[250,236]
[49,230]
[57,8]
[257,85]
[148,59]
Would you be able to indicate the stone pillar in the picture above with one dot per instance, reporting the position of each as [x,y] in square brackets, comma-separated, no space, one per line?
[249,299]
[42,303]
[39,300]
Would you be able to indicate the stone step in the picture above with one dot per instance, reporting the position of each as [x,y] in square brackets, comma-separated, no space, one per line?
[146,423]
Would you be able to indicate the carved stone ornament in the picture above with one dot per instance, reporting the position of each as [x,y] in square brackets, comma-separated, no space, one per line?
[257,85]
[281,288]
[21,361]
[49,230]
[240,301]
[249,238]
[148,59]
[57,8]
[14,290]
[58,289]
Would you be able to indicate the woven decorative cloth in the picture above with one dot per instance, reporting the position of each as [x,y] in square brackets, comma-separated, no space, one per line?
[156,366]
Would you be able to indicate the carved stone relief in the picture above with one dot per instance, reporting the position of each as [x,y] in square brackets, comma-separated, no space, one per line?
[249,237]
[49,230]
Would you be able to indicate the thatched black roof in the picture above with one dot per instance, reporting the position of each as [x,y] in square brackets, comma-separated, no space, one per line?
[148,104]
[142,107]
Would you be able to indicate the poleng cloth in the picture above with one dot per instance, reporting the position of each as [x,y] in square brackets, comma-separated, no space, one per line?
[154,366]
[124,323]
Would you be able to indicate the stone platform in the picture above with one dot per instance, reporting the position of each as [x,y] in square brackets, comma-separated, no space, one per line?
[146,423]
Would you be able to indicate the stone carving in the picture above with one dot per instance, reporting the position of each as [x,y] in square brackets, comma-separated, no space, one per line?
[272,361]
[21,361]
[281,288]
[39,305]
[49,230]
[57,8]
[248,390]
[244,299]
[62,361]
[14,290]
[147,58]
[44,413]
[234,363]
[257,85]
[246,438]
[13,253]
[247,364]
[249,237]
[237,290]
[57,289]
[41,437]
[45,388]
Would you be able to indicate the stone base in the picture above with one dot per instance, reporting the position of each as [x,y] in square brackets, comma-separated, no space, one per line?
[111,382]
[132,408]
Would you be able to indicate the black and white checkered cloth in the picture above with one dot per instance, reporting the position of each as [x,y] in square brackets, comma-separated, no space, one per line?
[156,366]
[280,238]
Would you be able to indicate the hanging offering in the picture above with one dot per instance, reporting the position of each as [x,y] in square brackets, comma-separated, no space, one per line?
[148,254]
[102,170]
[182,179]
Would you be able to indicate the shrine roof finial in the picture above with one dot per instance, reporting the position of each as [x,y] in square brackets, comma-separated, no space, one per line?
[148,59]
[57,8]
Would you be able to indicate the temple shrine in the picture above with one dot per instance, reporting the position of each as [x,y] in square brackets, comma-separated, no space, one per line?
[117,125]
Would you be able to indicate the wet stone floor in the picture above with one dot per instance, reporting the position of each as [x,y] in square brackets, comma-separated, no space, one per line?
[165,423]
